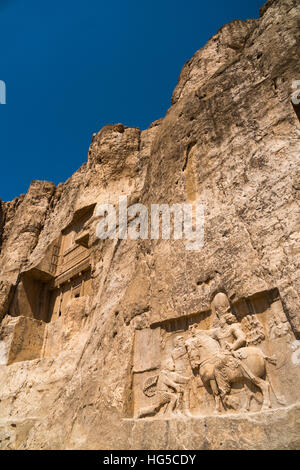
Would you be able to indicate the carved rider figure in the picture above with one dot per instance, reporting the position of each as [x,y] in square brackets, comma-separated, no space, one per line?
[231,338]
[228,333]
[222,358]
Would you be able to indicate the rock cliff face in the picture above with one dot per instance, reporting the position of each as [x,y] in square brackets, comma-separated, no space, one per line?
[88,325]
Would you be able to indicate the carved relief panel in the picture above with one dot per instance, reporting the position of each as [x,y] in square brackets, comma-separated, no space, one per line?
[232,358]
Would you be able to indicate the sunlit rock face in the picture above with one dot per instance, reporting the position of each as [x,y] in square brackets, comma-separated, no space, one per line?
[126,344]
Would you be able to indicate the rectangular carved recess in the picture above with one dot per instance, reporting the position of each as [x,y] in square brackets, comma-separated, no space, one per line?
[43,292]
[262,324]
[63,274]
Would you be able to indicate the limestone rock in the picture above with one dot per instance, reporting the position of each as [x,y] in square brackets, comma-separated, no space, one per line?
[101,340]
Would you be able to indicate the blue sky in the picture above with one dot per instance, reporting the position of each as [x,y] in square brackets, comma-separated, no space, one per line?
[71,66]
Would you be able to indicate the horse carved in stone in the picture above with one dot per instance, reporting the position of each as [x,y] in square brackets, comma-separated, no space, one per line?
[219,369]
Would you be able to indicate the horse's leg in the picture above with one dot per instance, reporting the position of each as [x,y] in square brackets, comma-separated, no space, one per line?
[248,402]
[216,394]
[268,405]
[251,396]
[264,387]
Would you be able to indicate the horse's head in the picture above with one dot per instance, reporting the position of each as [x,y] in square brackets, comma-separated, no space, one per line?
[201,347]
[205,341]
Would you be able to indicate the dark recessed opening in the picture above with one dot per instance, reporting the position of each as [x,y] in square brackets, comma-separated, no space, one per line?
[297,110]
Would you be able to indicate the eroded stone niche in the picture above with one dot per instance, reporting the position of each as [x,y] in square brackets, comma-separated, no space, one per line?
[45,291]
[32,295]
[166,381]
[21,339]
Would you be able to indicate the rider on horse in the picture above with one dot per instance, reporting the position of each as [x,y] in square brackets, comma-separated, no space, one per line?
[230,337]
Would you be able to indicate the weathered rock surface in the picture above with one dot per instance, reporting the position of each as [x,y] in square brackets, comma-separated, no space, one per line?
[229,141]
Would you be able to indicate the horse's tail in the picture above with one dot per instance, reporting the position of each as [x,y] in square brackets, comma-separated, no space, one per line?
[273,360]
[279,399]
